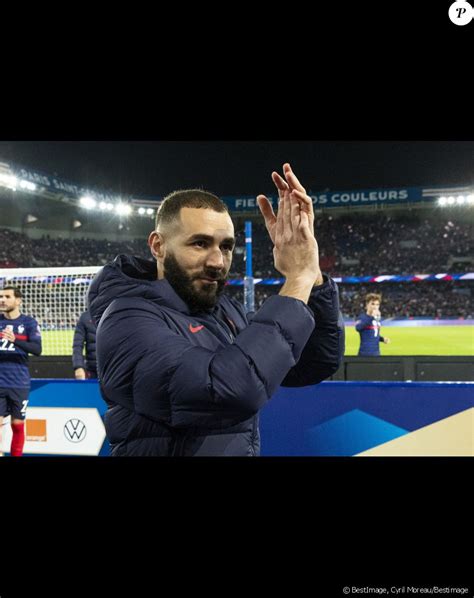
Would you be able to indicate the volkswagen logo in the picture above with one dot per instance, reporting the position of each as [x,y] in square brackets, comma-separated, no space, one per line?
[75,430]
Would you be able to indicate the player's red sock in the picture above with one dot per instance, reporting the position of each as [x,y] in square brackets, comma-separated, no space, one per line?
[18,439]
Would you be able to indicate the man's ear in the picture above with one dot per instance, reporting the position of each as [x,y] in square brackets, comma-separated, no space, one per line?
[156,243]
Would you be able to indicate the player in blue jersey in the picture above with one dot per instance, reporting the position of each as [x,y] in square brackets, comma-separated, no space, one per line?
[368,326]
[19,335]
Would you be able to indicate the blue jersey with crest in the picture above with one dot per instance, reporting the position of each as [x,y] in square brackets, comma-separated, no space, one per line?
[369,329]
[14,372]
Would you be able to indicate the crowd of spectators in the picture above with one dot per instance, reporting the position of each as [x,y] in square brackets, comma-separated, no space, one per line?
[379,243]
[19,251]
[358,244]
[444,299]
[436,300]
[350,245]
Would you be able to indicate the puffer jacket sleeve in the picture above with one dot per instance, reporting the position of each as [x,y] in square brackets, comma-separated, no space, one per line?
[146,364]
[324,351]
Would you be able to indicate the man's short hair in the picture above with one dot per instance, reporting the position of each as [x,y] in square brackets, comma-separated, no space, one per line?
[187,198]
[16,291]
[373,297]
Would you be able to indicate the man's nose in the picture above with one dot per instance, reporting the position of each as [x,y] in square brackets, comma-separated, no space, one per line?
[215,259]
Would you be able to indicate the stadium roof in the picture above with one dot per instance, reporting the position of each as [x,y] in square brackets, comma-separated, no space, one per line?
[155,168]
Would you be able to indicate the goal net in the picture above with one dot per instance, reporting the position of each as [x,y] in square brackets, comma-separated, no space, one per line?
[55,297]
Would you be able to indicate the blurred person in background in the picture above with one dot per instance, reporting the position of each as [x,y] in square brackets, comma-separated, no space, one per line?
[368,326]
[85,366]
[19,335]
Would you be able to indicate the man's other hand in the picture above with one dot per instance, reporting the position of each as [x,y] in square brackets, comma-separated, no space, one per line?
[80,374]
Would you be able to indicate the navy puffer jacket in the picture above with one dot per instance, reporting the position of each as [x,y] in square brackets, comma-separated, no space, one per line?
[183,384]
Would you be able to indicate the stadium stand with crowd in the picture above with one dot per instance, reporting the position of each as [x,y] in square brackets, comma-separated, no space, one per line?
[351,244]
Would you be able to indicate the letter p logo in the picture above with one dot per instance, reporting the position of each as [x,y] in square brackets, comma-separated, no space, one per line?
[460,12]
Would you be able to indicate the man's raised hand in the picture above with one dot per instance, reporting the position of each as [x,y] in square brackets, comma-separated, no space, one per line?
[289,188]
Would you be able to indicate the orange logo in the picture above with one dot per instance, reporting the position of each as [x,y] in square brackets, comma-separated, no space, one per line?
[35,430]
[194,329]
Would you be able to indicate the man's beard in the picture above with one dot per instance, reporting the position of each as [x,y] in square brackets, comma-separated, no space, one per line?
[5,309]
[197,298]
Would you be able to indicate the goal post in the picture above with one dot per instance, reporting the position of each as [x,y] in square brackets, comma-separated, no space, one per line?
[55,297]
[249,282]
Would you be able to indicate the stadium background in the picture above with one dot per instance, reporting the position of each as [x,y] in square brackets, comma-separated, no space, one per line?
[412,242]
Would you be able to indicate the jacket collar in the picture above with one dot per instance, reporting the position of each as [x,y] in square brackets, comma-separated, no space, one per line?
[129,276]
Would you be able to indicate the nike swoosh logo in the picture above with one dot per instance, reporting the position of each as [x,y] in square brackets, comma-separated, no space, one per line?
[194,329]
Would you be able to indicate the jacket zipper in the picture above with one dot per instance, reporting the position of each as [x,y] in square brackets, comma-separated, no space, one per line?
[228,334]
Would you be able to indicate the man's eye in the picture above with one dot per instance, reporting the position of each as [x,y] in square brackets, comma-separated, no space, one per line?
[200,243]
[227,247]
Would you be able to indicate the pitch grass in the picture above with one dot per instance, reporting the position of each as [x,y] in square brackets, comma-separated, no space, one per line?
[424,340]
